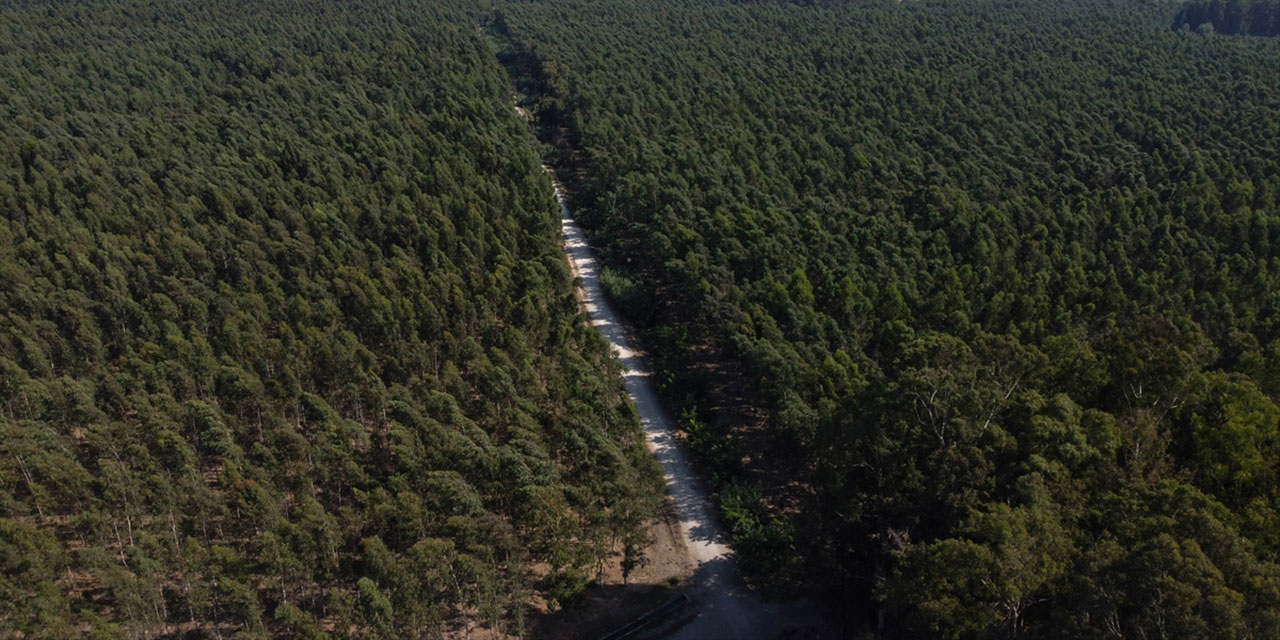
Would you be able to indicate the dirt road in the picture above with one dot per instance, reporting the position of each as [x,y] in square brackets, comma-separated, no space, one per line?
[726,608]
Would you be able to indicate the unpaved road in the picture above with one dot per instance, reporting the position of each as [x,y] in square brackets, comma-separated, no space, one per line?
[726,608]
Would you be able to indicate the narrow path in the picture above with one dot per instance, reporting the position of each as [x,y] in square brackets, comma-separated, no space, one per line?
[727,609]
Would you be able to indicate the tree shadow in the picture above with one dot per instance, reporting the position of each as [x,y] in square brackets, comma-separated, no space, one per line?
[719,607]
[598,610]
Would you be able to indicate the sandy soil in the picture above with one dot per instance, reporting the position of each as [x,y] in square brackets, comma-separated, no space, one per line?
[611,604]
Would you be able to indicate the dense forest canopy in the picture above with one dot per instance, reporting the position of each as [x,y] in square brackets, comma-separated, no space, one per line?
[1002,278]
[287,343]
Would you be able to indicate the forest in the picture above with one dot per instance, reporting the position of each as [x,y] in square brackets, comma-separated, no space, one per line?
[971,310]
[288,346]
[1236,17]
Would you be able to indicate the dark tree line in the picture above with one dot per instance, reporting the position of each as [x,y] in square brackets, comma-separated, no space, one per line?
[1000,279]
[1238,17]
[288,345]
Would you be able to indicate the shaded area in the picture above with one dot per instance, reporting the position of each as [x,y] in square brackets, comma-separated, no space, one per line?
[1236,17]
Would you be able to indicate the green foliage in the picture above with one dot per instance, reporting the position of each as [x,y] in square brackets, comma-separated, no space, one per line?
[563,587]
[288,345]
[999,280]
[627,292]
[767,543]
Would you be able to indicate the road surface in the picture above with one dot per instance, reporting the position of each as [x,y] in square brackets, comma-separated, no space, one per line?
[726,608]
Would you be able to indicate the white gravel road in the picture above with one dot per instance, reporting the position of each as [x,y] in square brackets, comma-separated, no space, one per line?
[726,608]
